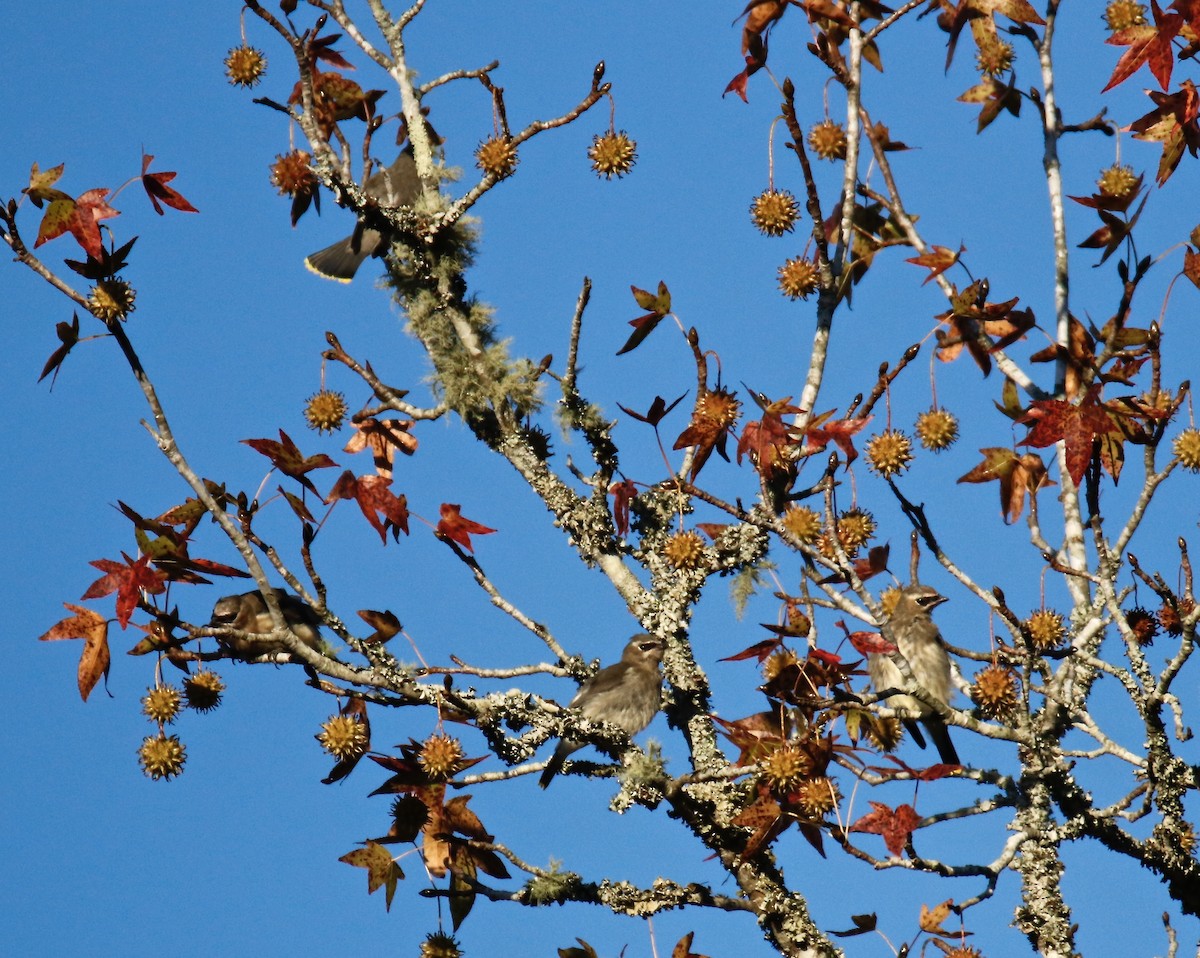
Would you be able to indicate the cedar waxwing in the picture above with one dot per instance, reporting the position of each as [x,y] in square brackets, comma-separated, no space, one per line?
[248,612]
[398,185]
[921,644]
[626,695]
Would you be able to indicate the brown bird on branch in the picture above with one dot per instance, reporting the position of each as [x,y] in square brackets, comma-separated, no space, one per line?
[920,642]
[626,694]
[248,613]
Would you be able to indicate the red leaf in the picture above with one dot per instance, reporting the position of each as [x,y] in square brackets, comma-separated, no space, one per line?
[759,650]
[374,499]
[126,579]
[870,643]
[155,185]
[453,525]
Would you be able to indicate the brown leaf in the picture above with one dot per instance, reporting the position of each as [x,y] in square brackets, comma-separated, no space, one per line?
[285,456]
[1017,475]
[383,437]
[623,494]
[385,624]
[932,918]
[382,869]
[68,336]
[937,261]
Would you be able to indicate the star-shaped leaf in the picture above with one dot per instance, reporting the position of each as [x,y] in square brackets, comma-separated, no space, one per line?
[455,526]
[93,629]
[382,870]
[285,456]
[1018,476]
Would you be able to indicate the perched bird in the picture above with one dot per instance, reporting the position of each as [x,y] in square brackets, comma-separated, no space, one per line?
[921,644]
[248,612]
[398,185]
[626,695]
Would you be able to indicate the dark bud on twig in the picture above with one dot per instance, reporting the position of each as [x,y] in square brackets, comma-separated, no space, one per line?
[693,337]
[789,89]
[598,73]
[911,353]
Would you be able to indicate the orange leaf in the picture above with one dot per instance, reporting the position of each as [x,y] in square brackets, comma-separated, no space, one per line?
[937,261]
[383,438]
[93,629]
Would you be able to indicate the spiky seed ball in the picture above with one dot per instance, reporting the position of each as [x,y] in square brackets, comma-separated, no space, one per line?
[440,945]
[497,157]
[344,737]
[162,704]
[111,299]
[325,411]
[1123,14]
[826,547]
[203,690]
[1116,180]
[889,452]
[717,410]
[162,756]
[778,662]
[612,154]
[774,212]
[799,278]
[1187,449]
[1158,401]
[1185,838]
[245,66]
[828,140]
[1172,620]
[1046,629]
[937,429]
[1143,624]
[802,522]
[539,441]
[785,768]
[964,951]
[440,756]
[856,527]
[817,797]
[995,691]
[888,599]
[684,550]
[291,173]
[995,57]
[885,733]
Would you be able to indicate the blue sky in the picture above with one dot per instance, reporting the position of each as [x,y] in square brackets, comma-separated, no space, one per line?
[239,855]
